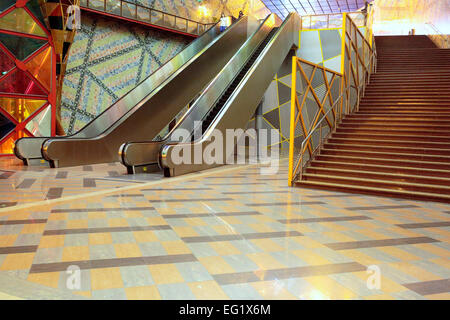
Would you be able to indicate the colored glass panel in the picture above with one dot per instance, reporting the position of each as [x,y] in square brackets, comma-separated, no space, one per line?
[6,125]
[19,20]
[6,64]
[40,125]
[7,147]
[41,67]
[20,83]
[20,109]
[33,6]
[21,47]
[6,4]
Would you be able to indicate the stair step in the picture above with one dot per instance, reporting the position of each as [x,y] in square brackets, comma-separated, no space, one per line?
[384,184]
[390,143]
[404,163]
[415,127]
[374,191]
[382,148]
[381,168]
[385,155]
[393,131]
[379,176]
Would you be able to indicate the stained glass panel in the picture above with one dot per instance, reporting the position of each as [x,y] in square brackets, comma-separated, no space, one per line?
[41,67]
[7,147]
[20,109]
[40,125]
[6,64]
[18,82]
[6,125]
[21,47]
[33,6]
[19,20]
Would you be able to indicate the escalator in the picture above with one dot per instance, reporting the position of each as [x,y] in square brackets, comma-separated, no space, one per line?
[146,109]
[227,103]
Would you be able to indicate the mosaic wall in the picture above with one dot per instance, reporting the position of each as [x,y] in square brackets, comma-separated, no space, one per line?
[106,60]
[26,76]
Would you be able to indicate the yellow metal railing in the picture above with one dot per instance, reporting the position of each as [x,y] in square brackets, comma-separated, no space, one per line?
[333,95]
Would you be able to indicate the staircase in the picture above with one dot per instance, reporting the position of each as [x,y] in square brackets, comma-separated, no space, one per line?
[398,143]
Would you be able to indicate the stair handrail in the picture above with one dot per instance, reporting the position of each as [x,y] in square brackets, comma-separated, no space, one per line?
[369,68]
[438,33]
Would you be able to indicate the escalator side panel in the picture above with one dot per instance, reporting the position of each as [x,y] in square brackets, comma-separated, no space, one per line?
[243,101]
[148,117]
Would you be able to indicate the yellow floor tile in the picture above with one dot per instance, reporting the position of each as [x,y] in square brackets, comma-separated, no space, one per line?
[127,250]
[260,227]
[185,231]
[165,273]
[75,224]
[224,229]
[49,279]
[269,245]
[207,290]
[156,221]
[307,242]
[224,248]
[195,222]
[58,216]
[33,228]
[265,261]
[310,257]
[17,261]
[379,297]
[75,253]
[176,247]
[106,278]
[438,296]
[273,290]
[118,222]
[216,265]
[51,241]
[86,294]
[230,220]
[7,240]
[331,288]
[97,215]
[144,236]
[100,238]
[142,293]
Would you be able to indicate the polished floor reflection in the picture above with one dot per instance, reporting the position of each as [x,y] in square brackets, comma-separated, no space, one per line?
[226,233]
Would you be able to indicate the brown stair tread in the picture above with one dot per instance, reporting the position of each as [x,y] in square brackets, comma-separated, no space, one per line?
[377,191]
[386,167]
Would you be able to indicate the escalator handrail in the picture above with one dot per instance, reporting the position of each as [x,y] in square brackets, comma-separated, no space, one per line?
[237,89]
[216,81]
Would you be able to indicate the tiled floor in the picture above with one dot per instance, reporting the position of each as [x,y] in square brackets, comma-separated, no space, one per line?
[227,233]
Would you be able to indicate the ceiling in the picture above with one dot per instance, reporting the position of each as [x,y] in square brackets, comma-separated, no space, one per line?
[309,7]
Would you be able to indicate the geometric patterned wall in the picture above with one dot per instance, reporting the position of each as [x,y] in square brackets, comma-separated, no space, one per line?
[322,47]
[107,59]
[27,86]
[275,107]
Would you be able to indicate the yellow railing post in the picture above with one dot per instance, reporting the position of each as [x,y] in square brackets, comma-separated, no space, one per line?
[292,120]
[344,21]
